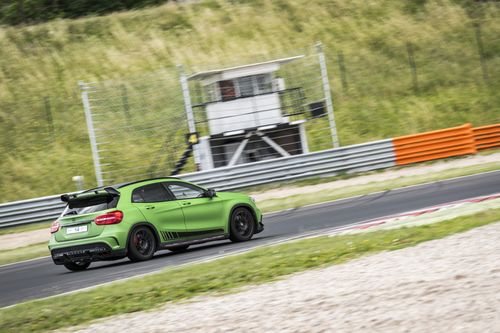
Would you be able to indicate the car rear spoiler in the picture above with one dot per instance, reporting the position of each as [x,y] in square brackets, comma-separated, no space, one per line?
[90,198]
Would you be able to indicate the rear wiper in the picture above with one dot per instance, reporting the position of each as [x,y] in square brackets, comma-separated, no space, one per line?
[73,212]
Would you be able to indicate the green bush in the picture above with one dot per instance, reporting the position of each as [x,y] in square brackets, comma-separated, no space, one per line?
[35,11]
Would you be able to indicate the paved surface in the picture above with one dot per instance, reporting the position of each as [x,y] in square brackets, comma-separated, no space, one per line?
[40,278]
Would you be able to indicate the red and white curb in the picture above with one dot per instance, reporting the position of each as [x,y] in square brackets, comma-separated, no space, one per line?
[406,217]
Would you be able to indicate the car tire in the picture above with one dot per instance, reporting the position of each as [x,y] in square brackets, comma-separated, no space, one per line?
[141,244]
[77,266]
[178,249]
[241,225]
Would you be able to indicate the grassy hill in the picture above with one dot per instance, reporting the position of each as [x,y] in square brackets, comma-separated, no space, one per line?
[455,48]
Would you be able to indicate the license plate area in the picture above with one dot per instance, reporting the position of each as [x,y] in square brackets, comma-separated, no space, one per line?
[76,229]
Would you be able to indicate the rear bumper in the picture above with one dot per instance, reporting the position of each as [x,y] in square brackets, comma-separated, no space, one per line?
[86,252]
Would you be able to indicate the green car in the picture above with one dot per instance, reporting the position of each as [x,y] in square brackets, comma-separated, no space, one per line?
[137,219]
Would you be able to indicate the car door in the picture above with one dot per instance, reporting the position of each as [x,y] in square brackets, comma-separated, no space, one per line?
[160,209]
[200,212]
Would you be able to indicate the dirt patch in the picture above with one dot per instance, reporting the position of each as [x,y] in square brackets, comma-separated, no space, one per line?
[452,284]
[13,241]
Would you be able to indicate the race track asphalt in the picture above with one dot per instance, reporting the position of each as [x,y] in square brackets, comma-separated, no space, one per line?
[41,278]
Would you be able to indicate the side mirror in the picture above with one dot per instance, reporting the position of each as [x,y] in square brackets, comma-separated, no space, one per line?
[210,193]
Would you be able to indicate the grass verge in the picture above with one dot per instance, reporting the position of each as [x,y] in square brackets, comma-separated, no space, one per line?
[303,199]
[24,253]
[224,275]
[24,228]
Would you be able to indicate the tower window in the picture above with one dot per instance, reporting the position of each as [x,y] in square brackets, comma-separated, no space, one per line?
[227,90]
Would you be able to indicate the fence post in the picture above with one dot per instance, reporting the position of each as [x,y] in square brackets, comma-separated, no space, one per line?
[48,114]
[413,66]
[343,76]
[20,11]
[126,107]
[90,128]
[328,96]
[189,110]
[480,48]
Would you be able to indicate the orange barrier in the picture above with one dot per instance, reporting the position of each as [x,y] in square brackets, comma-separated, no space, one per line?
[428,146]
[487,136]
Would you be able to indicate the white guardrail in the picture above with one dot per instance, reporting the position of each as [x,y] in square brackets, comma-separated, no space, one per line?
[349,159]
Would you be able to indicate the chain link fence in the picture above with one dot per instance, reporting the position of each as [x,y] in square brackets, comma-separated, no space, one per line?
[272,108]
[141,123]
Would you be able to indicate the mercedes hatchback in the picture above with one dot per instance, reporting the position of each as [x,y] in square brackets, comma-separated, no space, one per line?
[137,219]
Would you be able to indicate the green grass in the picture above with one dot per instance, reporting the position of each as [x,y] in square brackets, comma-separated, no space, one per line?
[489,151]
[41,64]
[24,228]
[24,253]
[454,172]
[300,200]
[221,276]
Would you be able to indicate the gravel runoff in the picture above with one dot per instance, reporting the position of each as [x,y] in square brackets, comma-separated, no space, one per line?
[13,241]
[446,285]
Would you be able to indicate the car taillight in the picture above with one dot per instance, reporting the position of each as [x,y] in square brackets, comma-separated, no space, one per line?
[109,218]
[54,227]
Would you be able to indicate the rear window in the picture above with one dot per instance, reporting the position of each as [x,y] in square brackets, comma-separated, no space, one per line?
[91,208]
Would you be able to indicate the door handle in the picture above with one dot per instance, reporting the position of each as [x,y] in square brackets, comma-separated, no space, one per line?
[150,207]
[186,203]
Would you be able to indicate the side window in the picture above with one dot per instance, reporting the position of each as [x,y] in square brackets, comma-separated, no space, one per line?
[185,191]
[150,193]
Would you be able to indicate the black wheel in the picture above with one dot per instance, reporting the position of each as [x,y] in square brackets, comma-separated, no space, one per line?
[77,266]
[179,248]
[242,225]
[142,244]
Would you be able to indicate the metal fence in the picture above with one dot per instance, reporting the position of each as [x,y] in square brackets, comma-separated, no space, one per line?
[384,81]
[355,158]
[30,211]
[350,159]
[137,127]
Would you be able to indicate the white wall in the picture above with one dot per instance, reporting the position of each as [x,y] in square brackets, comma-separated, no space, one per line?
[244,113]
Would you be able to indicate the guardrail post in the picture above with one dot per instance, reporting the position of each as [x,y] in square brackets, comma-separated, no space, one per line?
[328,96]
[90,128]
